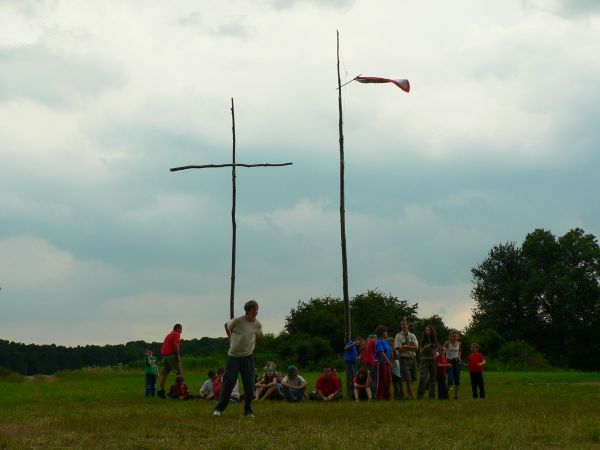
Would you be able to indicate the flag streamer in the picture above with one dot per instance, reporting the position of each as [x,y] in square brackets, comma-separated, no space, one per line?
[402,83]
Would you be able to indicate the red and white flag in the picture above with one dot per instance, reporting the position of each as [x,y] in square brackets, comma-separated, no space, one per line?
[402,84]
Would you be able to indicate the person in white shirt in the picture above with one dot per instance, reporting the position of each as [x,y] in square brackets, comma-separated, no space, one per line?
[206,391]
[406,345]
[293,385]
[242,332]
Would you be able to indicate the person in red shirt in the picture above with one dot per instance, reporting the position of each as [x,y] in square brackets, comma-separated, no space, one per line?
[441,372]
[180,391]
[368,359]
[476,361]
[328,387]
[218,384]
[171,353]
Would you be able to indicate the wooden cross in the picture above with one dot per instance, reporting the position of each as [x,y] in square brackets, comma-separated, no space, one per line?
[233,166]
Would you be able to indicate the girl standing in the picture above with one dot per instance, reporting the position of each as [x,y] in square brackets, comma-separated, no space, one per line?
[453,353]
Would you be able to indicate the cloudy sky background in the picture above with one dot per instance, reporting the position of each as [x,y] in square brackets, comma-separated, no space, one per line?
[100,243]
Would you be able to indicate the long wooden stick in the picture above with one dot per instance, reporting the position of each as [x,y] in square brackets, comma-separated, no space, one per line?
[347,331]
[233,224]
[211,166]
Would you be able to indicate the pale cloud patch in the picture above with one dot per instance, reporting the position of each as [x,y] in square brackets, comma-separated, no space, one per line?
[27,261]
[51,77]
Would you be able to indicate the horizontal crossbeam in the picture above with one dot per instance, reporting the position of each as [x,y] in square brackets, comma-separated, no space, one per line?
[213,166]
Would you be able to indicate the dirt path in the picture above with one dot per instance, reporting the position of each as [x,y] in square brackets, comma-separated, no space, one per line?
[41,378]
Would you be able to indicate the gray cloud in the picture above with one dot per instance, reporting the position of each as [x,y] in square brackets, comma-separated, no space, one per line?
[568,8]
[229,26]
[53,78]
[333,4]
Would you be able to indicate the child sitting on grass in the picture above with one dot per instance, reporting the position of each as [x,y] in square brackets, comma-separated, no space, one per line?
[476,361]
[278,392]
[293,385]
[266,387]
[362,385]
[206,391]
[179,390]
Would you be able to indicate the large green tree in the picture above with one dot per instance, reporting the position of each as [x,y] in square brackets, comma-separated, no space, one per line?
[324,317]
[546,293]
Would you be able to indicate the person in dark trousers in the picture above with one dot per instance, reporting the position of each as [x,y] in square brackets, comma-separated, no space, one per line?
[441,371]
[171,354]
[476,361]
[242,332]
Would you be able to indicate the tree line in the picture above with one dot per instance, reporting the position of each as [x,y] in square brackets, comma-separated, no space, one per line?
[536,305]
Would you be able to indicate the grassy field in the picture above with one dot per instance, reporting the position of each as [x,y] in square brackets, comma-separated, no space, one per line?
[105,408]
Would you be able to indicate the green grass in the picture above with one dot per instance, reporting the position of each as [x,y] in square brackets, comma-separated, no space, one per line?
[105,408]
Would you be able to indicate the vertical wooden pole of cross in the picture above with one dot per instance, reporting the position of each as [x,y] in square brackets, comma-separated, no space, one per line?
[347,331]
[233,224]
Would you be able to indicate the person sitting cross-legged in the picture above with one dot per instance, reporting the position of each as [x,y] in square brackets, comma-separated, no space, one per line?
[179,390]
[328,387]
[206,391]
[265,387]
[293,385]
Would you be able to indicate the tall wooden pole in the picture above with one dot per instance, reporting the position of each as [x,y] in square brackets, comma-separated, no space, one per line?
[347,331]
[233,224]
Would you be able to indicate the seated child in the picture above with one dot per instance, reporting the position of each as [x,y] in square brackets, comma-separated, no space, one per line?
[218,383]
[218,388]
[266,387]
[278,392]
[179,390]
[362,385]
[293,385]
[206,391]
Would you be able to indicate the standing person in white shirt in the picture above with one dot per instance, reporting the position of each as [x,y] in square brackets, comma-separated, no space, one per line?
[406,345]
[242,332]
[453,353]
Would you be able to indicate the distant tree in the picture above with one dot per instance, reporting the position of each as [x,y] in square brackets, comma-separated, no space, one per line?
[322,317]
[374,308]
[546,293]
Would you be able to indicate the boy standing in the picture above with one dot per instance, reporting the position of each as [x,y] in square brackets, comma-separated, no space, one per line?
[150,371]
[242,332]
[350,355]
[440,374]
[476,361]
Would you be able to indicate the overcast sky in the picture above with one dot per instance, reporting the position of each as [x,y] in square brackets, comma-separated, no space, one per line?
[100,243]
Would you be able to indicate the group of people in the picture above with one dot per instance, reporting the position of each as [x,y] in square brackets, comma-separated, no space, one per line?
[388,364]
[242,332]
[383,364]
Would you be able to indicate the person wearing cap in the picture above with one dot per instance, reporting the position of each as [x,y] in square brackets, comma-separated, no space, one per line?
[242,332]
[293,385]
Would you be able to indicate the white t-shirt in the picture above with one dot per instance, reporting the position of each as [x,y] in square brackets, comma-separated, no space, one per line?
[207,387]
[298,381]
[401,340]
[243,336]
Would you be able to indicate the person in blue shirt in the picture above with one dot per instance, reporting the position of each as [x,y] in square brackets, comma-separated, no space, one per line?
[350,357]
